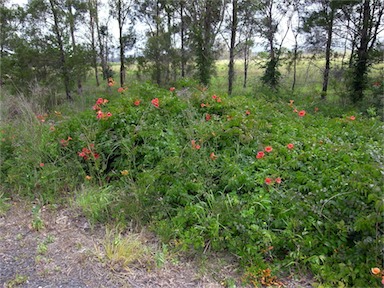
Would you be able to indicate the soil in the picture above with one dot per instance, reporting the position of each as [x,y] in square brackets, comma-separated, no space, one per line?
[65,250]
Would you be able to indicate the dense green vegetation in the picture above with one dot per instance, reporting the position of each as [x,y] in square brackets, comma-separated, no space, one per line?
[280,180]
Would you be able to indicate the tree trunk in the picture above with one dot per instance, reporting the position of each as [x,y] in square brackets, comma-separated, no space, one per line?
[100,40]
[74,47]
[158,61]
[246,58]
[122,60]
[182,30]
[361,64]
[59,40]
[231,70]
[93,45]
[295,56]
[328,54]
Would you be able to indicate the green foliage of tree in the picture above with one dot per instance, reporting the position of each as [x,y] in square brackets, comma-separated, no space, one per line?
[206,18]
[270,15]
[366,36]
[122,11]
[39,56]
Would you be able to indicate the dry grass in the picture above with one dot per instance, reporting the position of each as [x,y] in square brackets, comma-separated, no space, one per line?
[121,251]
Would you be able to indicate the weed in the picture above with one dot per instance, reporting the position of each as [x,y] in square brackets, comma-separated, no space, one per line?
[42,248]
[4,205]
[161,256]
[37,222]
[18,280]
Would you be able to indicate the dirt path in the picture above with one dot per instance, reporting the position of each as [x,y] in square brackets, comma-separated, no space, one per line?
[67,253]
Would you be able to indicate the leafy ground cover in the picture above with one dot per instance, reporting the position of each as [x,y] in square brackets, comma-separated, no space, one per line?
[281,182]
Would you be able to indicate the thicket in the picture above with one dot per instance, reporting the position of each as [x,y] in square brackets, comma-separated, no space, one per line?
[281,182]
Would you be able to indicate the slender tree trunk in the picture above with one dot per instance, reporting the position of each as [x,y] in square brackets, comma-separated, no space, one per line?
[182,31]
[206,49]
[377,26]
[295,56]
[328,54]
[122,60]
[93,43]
[59,40]
[345,45]
[246,59]
[158,60]
[169,63]
[74,47]
[231,68]
[100,40]
[353,49]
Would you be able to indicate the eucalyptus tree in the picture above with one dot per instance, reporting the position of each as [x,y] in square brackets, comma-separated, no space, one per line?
[123,12]
[43,53]
[206,18]
[9,20]
[320,17]
[242,25]
[367,30]
[270,16]
[92,10]
[59,30]
[297,7]
[75,16]
[162,57]
[233,29]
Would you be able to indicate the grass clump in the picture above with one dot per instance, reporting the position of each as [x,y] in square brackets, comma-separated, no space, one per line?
[121,251]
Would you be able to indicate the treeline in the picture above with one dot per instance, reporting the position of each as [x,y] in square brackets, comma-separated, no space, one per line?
[56,43]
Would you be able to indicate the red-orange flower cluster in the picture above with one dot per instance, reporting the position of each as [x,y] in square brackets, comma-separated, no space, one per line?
[136,103]
[111,82]
[172,89]
[155,102]
[268,149]
[120,90]
[270,181]
[64,142]
[194,145]
[216,98]
[207,117]
[42,118]
[99,103]
[86,153]
[301,113]
[260,155]
[97,107]
[213,156]
[102,115]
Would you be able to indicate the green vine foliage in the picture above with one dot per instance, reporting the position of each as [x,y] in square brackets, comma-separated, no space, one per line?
[279,184]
